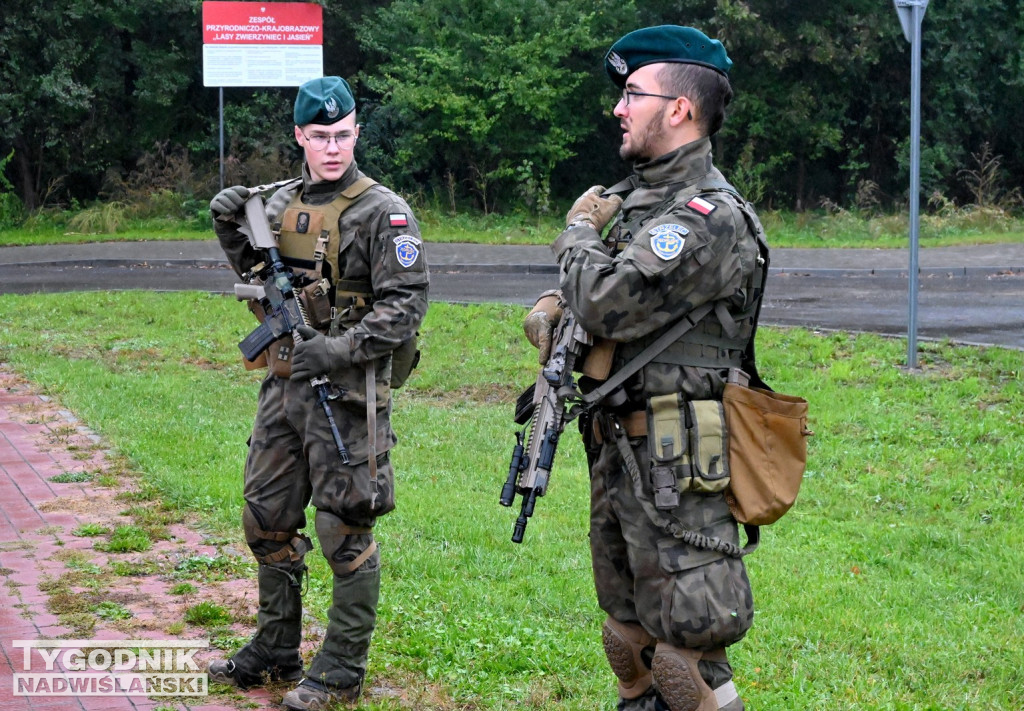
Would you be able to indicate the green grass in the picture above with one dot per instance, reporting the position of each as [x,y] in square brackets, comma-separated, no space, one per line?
[894,583]
[126,539]
[951,227]
[207,614]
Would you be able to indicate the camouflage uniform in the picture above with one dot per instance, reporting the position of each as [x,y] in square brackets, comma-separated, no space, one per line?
[292,457]
[630,289]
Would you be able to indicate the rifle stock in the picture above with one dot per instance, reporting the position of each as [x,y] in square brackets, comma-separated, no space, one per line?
[544,410]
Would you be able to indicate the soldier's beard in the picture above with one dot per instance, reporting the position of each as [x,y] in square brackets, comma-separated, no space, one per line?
[643,141]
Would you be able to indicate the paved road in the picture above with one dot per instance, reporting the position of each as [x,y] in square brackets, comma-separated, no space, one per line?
[968,294]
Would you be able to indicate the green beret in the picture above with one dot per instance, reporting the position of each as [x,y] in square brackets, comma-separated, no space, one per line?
[664,43]
[323,101]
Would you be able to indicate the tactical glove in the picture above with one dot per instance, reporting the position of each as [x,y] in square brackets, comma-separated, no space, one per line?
[540,323]
[226,204]
[316,355]
[593,208]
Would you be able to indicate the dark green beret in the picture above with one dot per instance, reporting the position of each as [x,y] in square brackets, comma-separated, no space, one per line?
[323,101]
[664,43]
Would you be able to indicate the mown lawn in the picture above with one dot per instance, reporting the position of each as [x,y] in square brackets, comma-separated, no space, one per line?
[895,583]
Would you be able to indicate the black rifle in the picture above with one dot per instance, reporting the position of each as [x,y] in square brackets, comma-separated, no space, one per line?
[272,284]
[544,408]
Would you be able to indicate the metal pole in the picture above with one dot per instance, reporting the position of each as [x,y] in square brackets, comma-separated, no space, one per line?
[221,92]
[915,177]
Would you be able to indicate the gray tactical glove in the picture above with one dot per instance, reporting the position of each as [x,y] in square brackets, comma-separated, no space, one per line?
[317,355]
[226,204]
[540,323]
[591,207]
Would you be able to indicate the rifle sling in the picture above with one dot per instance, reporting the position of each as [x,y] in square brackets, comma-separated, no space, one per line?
[645,356]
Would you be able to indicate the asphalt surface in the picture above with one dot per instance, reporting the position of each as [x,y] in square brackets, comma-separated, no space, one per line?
[966,294]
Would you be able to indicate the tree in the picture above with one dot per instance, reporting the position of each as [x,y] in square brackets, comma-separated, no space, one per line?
[87,84]
[488,93]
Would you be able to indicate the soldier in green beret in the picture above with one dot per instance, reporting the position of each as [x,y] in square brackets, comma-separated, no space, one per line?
[665,548]
[358,247]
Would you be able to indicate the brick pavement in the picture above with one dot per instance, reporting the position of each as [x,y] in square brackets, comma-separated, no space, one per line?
[39,553]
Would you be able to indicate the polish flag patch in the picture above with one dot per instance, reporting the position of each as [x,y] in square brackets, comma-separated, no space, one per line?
[701,205]
[398,219]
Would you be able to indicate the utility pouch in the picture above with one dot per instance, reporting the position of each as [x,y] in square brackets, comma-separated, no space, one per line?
[768,452]
[709,436]
[403,360]
[598,363]
[317,302]
[279,356]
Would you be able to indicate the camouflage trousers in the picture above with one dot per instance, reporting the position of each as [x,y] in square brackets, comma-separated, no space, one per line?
[680,594]
[293,461]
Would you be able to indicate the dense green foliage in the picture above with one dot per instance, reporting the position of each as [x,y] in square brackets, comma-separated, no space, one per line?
[893,584]
[505,102]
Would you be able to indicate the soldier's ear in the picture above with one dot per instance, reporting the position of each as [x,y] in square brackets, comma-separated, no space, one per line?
[299,138]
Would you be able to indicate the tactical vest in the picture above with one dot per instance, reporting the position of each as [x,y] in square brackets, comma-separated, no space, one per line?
[724,338]
[310,241]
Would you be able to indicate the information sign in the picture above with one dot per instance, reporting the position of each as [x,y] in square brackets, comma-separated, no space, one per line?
[262,44]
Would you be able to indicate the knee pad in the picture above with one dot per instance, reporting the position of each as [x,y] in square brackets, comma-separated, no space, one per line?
[346,548]
[273,547]
[678,679]
[624,645]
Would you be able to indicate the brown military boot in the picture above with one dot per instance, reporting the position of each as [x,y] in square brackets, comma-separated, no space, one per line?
[314,696]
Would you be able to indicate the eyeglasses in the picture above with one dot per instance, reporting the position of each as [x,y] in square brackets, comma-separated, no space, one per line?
[320,141]
[626,93]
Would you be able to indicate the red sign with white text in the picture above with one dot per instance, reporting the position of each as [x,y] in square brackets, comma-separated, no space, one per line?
[263,23]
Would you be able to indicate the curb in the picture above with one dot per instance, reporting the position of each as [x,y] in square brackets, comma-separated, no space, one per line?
[538,269]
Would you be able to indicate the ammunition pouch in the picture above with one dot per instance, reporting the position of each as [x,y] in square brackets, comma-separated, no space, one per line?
[688,447]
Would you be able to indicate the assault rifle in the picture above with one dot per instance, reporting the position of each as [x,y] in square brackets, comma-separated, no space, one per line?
[275,290]
[544,408]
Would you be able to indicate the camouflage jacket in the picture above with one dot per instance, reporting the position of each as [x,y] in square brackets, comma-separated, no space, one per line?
[676,244]
[372,229]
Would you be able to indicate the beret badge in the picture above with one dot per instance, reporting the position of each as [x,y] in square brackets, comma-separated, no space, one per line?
[331,107]
[618,63]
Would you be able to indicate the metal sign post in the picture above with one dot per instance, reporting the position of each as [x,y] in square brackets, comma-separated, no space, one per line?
[911,14]
[260,44]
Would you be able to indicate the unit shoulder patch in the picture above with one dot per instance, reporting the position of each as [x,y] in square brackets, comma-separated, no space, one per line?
[701,205]
[667,240]
[407,249]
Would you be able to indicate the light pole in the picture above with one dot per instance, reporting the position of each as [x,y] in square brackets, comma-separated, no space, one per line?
[911,14]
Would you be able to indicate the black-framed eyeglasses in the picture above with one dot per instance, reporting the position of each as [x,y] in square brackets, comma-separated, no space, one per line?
[626,93]
[320,141]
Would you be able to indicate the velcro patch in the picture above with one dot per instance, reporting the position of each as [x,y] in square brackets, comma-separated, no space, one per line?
[667,240]
[398,219]
[407,250]
[701,205]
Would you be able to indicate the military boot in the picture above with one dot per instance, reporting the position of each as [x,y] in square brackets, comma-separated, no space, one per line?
[273,652]
[338,668]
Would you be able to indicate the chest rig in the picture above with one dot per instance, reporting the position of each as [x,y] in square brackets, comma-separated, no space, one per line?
[724,337]
[310,241]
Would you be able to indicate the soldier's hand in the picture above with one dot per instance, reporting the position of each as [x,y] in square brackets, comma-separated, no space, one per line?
[313,356]
[226,204]
[540,323]
[593,208]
